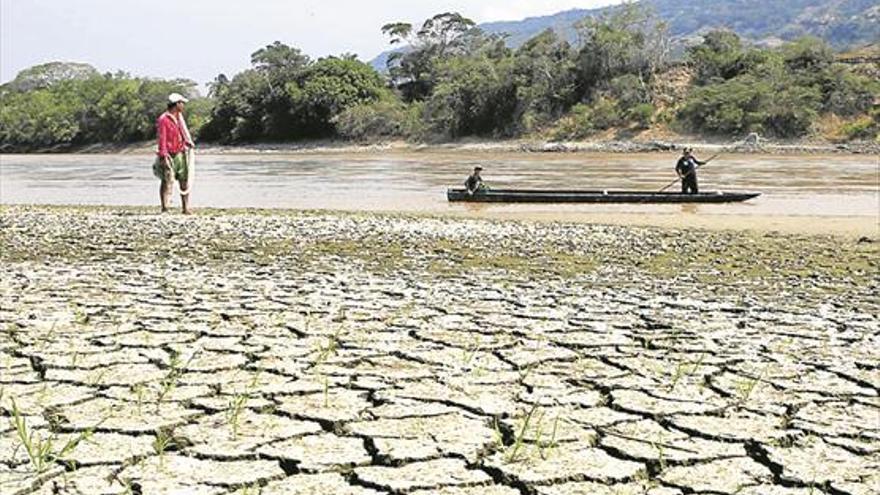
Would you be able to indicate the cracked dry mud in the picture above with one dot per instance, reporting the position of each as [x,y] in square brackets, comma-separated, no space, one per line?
[241,352]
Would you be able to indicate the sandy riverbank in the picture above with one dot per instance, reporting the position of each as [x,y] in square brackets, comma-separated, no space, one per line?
[838,226]
[308,352]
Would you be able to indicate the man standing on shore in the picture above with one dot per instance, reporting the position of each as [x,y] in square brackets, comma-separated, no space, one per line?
[686,168]
[171,163]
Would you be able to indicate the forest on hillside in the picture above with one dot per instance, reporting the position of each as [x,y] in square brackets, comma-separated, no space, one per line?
[456,81]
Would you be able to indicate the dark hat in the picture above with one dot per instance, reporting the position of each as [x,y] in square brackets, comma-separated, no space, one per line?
[478,168]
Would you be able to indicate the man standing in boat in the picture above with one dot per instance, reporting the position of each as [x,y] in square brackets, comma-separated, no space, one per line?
[686,168]
[171,163]
[474,182]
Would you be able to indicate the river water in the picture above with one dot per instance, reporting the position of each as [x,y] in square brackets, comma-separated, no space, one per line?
[839,193]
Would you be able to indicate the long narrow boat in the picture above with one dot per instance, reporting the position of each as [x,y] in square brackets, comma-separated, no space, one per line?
[586,196]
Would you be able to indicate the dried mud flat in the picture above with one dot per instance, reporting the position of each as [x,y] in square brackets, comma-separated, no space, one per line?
[304,353]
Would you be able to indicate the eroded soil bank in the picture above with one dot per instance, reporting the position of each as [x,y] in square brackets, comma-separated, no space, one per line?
[296,352]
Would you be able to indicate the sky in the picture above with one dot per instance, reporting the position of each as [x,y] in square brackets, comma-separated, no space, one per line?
[199,39]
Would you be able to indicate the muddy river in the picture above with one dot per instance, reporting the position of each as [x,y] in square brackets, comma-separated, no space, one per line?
[815,194]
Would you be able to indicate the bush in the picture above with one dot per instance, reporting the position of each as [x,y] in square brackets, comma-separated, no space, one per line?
[577,124]
[606,114]
[629,91]
[865,127]
[747,104]
[373,121]
[641,115]
[845,93]
[807,54]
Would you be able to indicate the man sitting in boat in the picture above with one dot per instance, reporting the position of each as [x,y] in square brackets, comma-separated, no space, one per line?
[686,168]
[474,182]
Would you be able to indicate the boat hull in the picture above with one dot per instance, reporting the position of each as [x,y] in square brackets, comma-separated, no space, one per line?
[582,196]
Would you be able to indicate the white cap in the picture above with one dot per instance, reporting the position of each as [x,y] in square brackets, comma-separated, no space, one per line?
[176,98]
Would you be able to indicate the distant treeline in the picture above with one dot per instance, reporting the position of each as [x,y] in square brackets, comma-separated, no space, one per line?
[453,80]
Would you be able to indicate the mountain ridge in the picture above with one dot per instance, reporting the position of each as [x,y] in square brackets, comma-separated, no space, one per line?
[841,23]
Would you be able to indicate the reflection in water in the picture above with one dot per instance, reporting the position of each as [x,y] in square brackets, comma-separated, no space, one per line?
[689,209]
[417,181]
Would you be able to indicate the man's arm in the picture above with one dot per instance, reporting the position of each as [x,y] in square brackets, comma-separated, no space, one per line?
[162,137]
[162,132]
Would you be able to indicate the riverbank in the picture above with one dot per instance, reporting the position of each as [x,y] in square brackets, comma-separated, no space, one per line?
[524,146]
[306,352]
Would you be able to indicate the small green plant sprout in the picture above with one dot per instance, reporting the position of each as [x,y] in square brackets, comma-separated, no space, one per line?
[11,330]
[538,431]
[238,403]
[469,352]
[698,364]
[546,447]
[330,349]
[524,372]
[139,390]
[80,317]
[746,386]
[399,313]
[660,447]
[308,321]
[41,450]
[234,409]
[519,440]
[176,369]
[129,487]
[249,490]
[96,377]
[680,371]
[42,394]
[498,437]
[45,340]
[162,442]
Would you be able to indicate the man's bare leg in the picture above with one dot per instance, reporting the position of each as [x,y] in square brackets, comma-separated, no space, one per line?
[165,194]
[184,198]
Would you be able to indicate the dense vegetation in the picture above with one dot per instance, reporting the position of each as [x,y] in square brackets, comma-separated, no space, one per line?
[455,80]
[59,105]
[780,93]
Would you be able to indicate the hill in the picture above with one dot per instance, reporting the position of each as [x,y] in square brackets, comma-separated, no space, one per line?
[842,23]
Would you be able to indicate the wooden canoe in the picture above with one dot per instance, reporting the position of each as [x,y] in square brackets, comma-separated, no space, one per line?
[586,196]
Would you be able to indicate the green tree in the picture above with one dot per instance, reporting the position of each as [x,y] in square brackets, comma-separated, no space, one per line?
[807,53]
[37,119]
[109,108]
[749,104]
[545,79]
[473,96]
[366,122]
[442,36]
[625,41]
[45,75]
[329,87]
